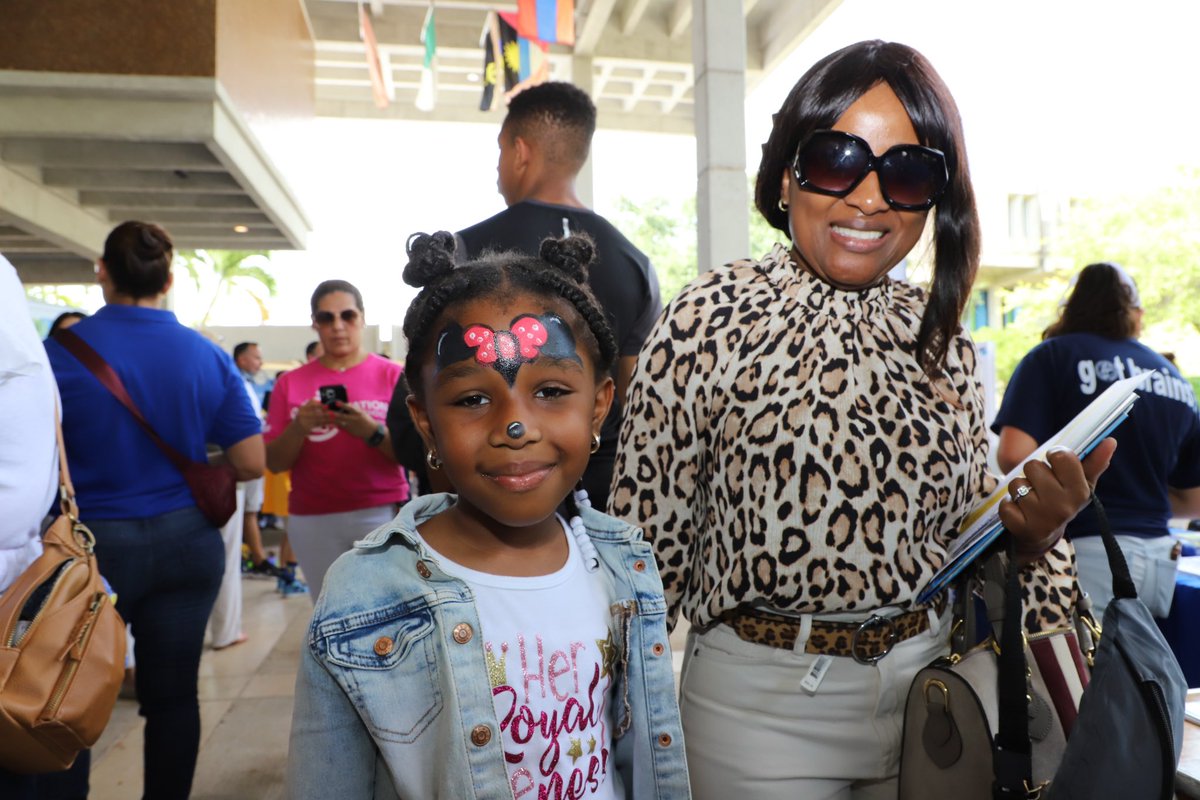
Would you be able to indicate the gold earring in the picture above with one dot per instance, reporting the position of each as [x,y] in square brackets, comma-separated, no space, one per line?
[432,460]
[595,442]
[782,205]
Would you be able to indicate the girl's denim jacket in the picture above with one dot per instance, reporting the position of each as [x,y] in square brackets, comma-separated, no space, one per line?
[393,697]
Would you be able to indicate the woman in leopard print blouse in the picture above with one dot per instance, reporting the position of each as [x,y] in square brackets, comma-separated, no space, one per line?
[805,433]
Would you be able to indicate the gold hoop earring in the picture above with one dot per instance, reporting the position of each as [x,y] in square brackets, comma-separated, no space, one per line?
[433,461]
[782,205]
[595,442]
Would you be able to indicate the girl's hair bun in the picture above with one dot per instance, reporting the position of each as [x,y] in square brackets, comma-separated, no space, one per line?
[430,256]
[572,255]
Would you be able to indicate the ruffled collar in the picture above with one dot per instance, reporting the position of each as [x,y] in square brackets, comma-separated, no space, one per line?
[822,299]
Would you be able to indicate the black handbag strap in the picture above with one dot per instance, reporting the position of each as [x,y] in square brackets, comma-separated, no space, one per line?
[1013,750]
[110,380]
[1123,585]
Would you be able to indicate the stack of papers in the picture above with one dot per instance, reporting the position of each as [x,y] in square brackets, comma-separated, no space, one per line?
[1080,435]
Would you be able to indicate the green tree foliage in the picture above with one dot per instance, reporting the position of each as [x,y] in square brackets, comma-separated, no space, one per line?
[1154,236]
[1036,306]
[665,231]
[220,273]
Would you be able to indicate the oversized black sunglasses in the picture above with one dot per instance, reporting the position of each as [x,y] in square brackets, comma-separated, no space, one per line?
[348,315]
[911,177]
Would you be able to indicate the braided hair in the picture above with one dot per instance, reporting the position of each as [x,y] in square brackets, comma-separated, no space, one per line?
[559,271]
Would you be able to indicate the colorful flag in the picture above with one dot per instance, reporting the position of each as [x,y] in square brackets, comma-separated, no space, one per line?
[427,90]
[499,38]
[527,57]
[551,21]
[374,64]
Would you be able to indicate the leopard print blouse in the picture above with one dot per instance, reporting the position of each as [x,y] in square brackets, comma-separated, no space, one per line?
[782,446]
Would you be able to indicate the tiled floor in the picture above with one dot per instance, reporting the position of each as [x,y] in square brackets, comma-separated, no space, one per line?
[245,708]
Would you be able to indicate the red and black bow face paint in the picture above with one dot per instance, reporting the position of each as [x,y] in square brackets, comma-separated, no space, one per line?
[528,337]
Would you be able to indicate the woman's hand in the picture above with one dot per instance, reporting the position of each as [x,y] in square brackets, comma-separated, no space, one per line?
[354,421]
[1049,496]
[312,415]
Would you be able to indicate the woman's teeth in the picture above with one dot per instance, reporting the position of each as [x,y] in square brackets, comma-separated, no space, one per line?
[856,234]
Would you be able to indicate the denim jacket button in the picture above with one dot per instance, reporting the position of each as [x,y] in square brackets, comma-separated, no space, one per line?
[423,570]
[664,740]
[639,565]
[463,633]
[481,735]
[658,649]
[383,646]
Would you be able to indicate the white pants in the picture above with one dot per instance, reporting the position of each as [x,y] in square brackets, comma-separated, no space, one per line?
[1150,566]
[225,622]
[254,495]
[318,539]
[751,731]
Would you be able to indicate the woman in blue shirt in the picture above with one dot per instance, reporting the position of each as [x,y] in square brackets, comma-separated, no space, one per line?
[163,558]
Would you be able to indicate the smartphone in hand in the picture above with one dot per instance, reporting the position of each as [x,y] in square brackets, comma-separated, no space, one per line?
[333,397]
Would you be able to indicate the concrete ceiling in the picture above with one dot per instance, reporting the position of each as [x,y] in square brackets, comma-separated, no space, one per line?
[80,153]
[640,54]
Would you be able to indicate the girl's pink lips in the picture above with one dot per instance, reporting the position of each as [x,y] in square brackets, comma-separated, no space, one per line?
[520,477]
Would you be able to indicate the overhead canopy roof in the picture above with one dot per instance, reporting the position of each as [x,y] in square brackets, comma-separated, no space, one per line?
[144,110]
[640,54]
[80,153]
[158,129]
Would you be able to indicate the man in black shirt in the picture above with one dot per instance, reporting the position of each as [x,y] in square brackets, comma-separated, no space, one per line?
[544,142]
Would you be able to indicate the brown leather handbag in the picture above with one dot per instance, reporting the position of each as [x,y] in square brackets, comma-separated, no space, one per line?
[62,651]
[214,487]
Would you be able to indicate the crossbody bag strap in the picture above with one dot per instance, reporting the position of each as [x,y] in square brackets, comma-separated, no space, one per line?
[109,378]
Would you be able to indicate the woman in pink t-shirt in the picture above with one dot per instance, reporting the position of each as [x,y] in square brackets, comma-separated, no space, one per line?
[325,424]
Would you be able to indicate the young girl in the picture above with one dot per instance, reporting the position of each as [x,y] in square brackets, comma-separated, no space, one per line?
[481,645]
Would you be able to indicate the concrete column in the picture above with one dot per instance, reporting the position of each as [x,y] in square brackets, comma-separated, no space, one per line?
[722,199]
[581,76]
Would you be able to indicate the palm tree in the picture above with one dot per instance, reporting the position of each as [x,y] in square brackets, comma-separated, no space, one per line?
[235,271]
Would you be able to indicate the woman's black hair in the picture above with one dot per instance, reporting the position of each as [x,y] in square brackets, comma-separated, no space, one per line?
[820,98]
[329,287]
[559,271]
[137,256]
[59,321]
[1101,303]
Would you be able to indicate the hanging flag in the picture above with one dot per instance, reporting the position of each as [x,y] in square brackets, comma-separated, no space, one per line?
[497,37]
[374,64]
[529,58]
[551,21]
[427,90]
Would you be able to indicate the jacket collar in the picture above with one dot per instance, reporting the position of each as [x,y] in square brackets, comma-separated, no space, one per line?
[423,508]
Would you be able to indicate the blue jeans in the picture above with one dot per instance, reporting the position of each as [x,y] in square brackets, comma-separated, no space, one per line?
[166,571]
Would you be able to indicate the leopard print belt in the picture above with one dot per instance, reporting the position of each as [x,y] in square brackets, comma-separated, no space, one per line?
[866,642]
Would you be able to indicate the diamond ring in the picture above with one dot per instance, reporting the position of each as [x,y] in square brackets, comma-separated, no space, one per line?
[1022,490]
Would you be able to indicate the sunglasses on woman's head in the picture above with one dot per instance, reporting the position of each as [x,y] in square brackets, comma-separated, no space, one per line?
[348,315]
[911,177]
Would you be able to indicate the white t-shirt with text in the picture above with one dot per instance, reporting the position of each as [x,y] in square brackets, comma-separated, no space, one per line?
[551,658]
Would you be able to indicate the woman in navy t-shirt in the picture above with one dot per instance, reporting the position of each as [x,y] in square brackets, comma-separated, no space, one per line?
[1155,473]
